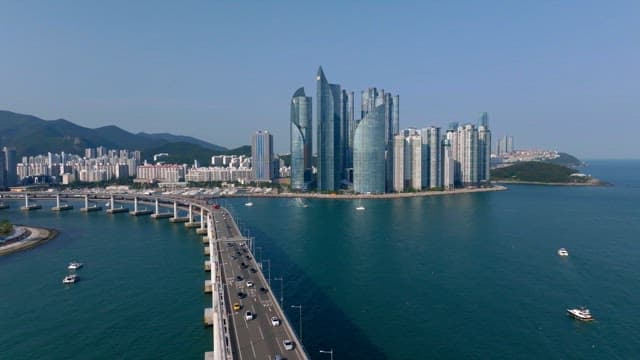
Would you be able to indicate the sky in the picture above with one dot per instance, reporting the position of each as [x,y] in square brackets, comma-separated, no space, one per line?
[559,75]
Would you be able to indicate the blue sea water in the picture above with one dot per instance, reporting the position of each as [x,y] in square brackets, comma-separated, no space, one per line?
[470,276]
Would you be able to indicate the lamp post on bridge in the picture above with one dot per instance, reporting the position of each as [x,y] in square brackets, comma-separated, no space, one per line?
[299,307]
[281,289]
[330,352]
[269,278]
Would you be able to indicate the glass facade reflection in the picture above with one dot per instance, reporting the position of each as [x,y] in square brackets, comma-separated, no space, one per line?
[369,153]
[301,140]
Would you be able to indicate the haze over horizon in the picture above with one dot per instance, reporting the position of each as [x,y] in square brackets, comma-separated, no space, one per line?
[560,76]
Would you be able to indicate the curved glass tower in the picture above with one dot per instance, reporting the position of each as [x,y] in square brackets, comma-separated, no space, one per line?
[369,153]
[301,143]
[329,128]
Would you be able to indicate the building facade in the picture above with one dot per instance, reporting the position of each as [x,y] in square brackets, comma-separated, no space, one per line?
[262,156]
[301,140]
[329,143]
[369,153]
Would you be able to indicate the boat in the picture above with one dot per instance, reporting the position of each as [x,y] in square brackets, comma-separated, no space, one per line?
[359,207]
[582,314]
[74,266]
[70,279]
[563,252]
[248,203]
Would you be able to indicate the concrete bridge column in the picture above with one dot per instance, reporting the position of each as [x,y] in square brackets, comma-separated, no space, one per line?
[157,207]
[86,201]
[135,204]
[175,209]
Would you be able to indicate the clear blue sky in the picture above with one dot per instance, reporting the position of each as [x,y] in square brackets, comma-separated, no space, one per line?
[554,74]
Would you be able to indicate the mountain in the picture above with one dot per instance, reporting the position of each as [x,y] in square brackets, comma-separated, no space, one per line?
[31,135]
[185,139]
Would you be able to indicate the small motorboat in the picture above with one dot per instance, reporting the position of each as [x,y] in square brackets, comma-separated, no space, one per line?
[360,208]
[70,279]
[563,252]
[74,266]
[582,314]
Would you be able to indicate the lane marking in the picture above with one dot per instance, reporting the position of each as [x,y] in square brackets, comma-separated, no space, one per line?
[252,349]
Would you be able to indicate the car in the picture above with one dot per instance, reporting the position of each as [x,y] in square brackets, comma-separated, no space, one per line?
[248,257]
[249,283]
[288,344]
[254,270]
[236,306]
[248,315]
[275,321]
[241,295]
[239,278]
[277,357]
[263,290]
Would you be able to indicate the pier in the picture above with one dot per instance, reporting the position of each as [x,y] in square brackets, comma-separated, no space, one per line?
[61,206]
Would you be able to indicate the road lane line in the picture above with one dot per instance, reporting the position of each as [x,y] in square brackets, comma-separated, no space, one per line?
[261,334]
[252,349]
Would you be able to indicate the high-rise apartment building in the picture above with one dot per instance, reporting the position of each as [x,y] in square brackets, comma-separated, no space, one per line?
[262,155]
[301,140]
[10,166]
[414,144]
[369,153]
[431,157]
[484,153]
[448,168]
[398,163]
[468,154]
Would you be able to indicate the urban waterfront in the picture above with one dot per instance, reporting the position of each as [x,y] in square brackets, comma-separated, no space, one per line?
[463,276]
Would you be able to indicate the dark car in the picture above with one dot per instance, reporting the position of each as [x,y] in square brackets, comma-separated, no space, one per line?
[242,295]
[263,290]
[239,278]
[254,270]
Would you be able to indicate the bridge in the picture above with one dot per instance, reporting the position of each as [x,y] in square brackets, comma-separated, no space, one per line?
[248,322]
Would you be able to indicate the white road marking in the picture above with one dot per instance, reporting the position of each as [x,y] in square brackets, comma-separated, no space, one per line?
[261,334]
[252,349]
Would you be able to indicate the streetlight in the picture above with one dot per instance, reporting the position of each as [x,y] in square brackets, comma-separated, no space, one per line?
[328,352]
[269,278]
[299,307]
[281,288]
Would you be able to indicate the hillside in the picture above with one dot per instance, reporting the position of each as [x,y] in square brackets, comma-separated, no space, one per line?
[31,135]
[540,172]
[565,159]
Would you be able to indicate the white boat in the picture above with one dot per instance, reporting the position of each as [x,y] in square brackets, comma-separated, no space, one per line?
[582,314]
[563,252]
[248,203]
[74,266]
[70,279]
[359,207]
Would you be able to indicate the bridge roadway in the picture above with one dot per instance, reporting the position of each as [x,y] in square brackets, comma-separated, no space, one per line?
[257,338]
[248,339]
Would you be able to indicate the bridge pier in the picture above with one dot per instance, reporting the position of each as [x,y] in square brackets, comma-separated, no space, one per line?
[29,206]
[113,210]
[87,208]
[158,214]
[137,212]
[175,218]
[61,207]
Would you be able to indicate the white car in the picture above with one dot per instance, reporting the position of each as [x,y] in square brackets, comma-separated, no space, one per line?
[275,321]
[248,315]
[288,344]
[249,283]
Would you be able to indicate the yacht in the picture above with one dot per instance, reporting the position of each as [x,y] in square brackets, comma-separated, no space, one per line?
[74,266]
[248,203]
[359,207]
[70,279]
[563,252]
[582,314]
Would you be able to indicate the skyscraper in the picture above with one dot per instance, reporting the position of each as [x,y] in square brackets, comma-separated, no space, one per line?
[348,130]
[398,163]
[484,153]
[301,140]
[262,155]
[468,154]
[431,157]
[10,166]
[328,110]
[368,153]
[447,165]
[414,144]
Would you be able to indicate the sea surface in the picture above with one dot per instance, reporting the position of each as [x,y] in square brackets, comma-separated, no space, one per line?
[469,276]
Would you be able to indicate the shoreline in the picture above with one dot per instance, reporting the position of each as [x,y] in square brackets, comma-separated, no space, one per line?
[34,237]
[371,196]
[516,182]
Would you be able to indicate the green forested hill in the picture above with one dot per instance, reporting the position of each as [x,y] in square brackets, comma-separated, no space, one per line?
[535,171]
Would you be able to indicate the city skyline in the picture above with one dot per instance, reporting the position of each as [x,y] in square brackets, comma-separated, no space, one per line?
[561,86]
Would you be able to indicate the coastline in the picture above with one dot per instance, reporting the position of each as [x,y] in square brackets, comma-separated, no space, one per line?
[33,236]
[371,196]
[516,182]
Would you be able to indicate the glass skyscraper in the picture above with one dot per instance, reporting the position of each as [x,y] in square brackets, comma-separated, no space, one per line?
[301,140]
[329,117]
[369,153]
[262,156]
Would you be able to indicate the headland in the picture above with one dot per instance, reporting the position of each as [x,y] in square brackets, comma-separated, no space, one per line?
[25,237]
